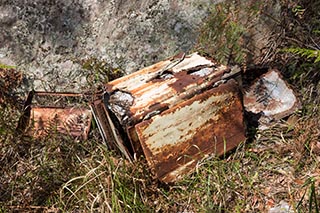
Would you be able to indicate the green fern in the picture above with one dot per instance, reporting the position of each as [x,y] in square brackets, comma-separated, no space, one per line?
[308,53]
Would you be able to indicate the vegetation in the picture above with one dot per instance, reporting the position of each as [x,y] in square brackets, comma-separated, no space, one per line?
[304,52]
[10,79]
[222,34]
[282,163]
[100,71]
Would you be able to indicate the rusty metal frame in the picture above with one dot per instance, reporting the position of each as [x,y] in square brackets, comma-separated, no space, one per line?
[109,132]
[37,119]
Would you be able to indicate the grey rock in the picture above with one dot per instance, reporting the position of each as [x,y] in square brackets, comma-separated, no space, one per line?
[48,38]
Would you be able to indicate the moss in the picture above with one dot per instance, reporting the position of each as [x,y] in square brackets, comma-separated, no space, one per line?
[10,80]
[100,70]
[4,66]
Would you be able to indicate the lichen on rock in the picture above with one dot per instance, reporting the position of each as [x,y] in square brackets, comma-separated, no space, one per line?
[48,38]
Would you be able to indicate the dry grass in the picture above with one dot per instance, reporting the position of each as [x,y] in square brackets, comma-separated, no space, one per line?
[59,174]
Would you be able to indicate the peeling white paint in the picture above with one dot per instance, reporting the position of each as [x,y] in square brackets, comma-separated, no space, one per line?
[181,124]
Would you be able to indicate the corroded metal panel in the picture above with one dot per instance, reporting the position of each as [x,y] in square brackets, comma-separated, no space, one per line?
[110,132]
[68,121]
[209,123]
[175,112]
[48,112]
[140,95]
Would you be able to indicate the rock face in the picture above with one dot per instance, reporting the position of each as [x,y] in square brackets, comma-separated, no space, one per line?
[46,38]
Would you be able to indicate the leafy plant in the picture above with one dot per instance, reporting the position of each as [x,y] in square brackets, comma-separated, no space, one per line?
[305,52]
[4,66]
[224,36]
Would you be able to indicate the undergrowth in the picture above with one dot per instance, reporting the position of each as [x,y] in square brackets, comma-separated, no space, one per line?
[222,34]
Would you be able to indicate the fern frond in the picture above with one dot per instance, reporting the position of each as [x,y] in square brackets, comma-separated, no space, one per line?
[308,53]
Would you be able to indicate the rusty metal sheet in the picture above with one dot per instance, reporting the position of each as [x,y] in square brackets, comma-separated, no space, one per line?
[110,132]
[46,112]
[271,97]
[209,123]
[140,95]
[68,121]
[174,112]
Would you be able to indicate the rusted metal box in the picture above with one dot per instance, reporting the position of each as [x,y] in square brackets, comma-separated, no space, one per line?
[175,112]
[48,112]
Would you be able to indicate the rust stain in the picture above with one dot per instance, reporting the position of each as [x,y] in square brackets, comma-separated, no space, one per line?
[136,79]
[184,80]
[135,143]
[188,77]
[173,145]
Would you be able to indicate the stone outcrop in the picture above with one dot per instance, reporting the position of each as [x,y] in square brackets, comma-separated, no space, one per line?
[48,38]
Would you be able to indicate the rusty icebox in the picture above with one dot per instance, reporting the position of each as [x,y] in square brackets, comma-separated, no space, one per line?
[175,113]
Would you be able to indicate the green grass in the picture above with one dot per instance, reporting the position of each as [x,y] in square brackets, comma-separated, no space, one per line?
[111,183]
